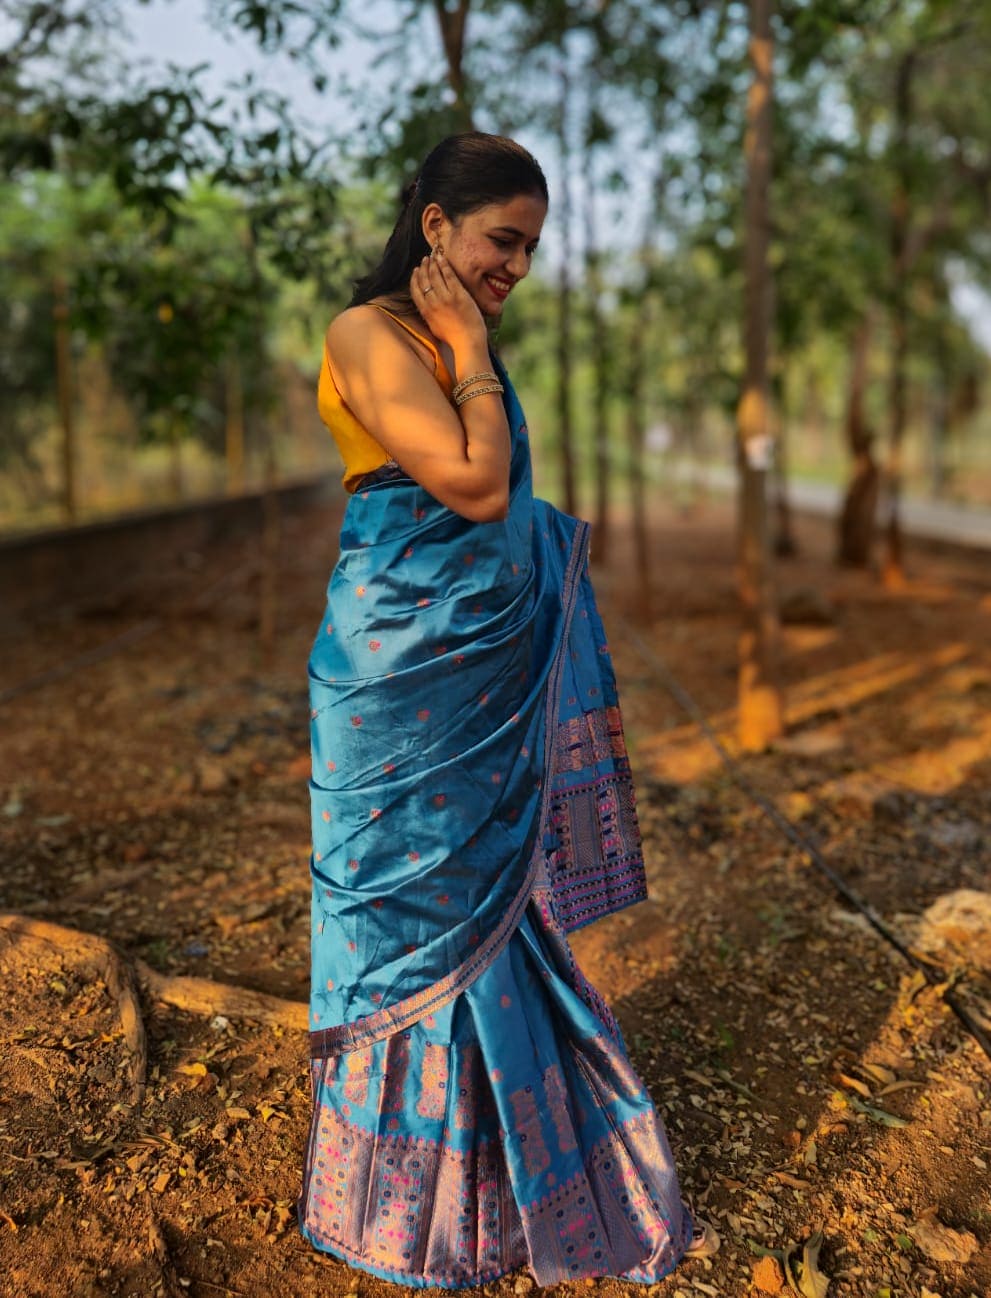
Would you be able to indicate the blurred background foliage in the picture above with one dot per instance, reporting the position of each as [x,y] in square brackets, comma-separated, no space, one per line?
[170,255]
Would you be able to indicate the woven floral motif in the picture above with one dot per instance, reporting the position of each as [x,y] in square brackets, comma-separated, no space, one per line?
[528,1131]
[557,1103]
[356,1072]
[432,1099]
[592,737]
[397,1063]
[467,1102]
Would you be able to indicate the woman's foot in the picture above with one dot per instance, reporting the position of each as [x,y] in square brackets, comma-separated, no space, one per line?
[704,1241]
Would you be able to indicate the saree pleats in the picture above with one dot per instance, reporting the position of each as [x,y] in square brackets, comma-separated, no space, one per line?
[535,1143]
[474,1107]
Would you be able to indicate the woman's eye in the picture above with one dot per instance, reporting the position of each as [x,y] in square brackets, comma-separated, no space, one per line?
[499,243]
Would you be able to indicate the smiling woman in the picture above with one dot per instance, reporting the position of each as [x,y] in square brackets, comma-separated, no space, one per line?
[474,1110]
[416,329]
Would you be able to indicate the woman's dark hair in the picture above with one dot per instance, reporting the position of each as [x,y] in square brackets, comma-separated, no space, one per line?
[462,174]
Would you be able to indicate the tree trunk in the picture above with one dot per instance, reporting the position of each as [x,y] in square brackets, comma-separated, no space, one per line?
[785,545]
[893,571]
[636,433]
[940,420]
[234,427]
[855,533]
[812,413]
[600,346]
[63,380]
[177,486]
[268,590]
[452,21]
[564,334]
[761,711]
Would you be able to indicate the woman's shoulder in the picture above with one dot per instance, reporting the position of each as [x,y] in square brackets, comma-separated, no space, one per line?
[351,334]
[356,324]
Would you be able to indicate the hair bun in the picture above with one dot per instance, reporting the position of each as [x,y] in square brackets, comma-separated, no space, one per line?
[410,191]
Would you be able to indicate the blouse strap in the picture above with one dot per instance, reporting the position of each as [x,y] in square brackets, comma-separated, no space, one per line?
[409,328]
[439,365]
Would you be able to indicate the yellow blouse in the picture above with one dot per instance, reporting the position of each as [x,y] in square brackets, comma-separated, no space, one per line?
[359,450]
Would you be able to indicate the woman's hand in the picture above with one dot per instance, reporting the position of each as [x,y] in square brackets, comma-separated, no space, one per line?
[445,305]
[461,456]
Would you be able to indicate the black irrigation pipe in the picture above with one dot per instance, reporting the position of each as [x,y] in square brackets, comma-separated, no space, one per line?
[930,971]
[85,659]
[225,585]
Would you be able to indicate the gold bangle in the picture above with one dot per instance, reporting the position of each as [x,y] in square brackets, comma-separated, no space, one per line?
[478,392]
[482,377]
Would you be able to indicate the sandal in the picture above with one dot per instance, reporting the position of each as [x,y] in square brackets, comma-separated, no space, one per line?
[704,1241]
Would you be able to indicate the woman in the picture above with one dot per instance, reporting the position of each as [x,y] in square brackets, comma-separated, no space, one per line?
[474,1108]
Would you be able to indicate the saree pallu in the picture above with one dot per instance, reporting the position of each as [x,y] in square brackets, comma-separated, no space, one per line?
[474,1110]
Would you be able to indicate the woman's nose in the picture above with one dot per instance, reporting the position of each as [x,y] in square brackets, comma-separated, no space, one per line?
[519,264]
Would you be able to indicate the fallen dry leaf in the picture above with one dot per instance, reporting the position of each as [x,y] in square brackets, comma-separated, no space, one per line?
[812,1283]
[795,1182]
[879,1073]
[898,1086]
[853,1084]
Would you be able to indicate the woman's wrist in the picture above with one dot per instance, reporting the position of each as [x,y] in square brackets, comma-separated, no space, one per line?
[470,356]
[477,366]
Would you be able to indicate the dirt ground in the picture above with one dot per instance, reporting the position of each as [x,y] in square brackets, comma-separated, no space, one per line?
[810,1079]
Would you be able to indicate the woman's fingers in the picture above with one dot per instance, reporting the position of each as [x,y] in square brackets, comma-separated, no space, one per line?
[441,299]
[436,279]
[420,283]
[437,263]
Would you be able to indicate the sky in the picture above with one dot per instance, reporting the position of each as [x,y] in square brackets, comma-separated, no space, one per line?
[177,31]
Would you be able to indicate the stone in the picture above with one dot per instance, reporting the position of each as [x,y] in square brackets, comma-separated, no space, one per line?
[212,777]
[956,835]
[812,743]
[958,922]
[942,1243]
[768,1276]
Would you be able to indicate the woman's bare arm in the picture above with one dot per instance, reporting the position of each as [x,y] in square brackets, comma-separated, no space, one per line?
[460,455]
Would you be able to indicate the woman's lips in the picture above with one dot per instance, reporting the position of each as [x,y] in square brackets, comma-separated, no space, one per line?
[500,287]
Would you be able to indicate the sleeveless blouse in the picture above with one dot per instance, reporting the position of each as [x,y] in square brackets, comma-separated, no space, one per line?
[359,450]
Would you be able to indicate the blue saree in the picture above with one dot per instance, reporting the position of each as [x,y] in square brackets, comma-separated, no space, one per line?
[474,1110]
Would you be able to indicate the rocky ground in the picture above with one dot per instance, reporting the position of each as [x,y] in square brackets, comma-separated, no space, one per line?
[811,1079]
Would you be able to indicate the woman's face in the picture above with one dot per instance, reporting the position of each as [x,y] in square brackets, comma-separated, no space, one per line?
[490,249]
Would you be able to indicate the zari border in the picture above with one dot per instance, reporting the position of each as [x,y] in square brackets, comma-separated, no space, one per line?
[383,1023]
[605,1219]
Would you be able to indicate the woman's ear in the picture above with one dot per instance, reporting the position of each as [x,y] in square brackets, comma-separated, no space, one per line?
[434,223]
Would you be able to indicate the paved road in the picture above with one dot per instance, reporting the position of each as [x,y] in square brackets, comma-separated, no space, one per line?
[939,520]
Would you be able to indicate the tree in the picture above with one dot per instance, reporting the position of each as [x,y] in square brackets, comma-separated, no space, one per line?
[761,718]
